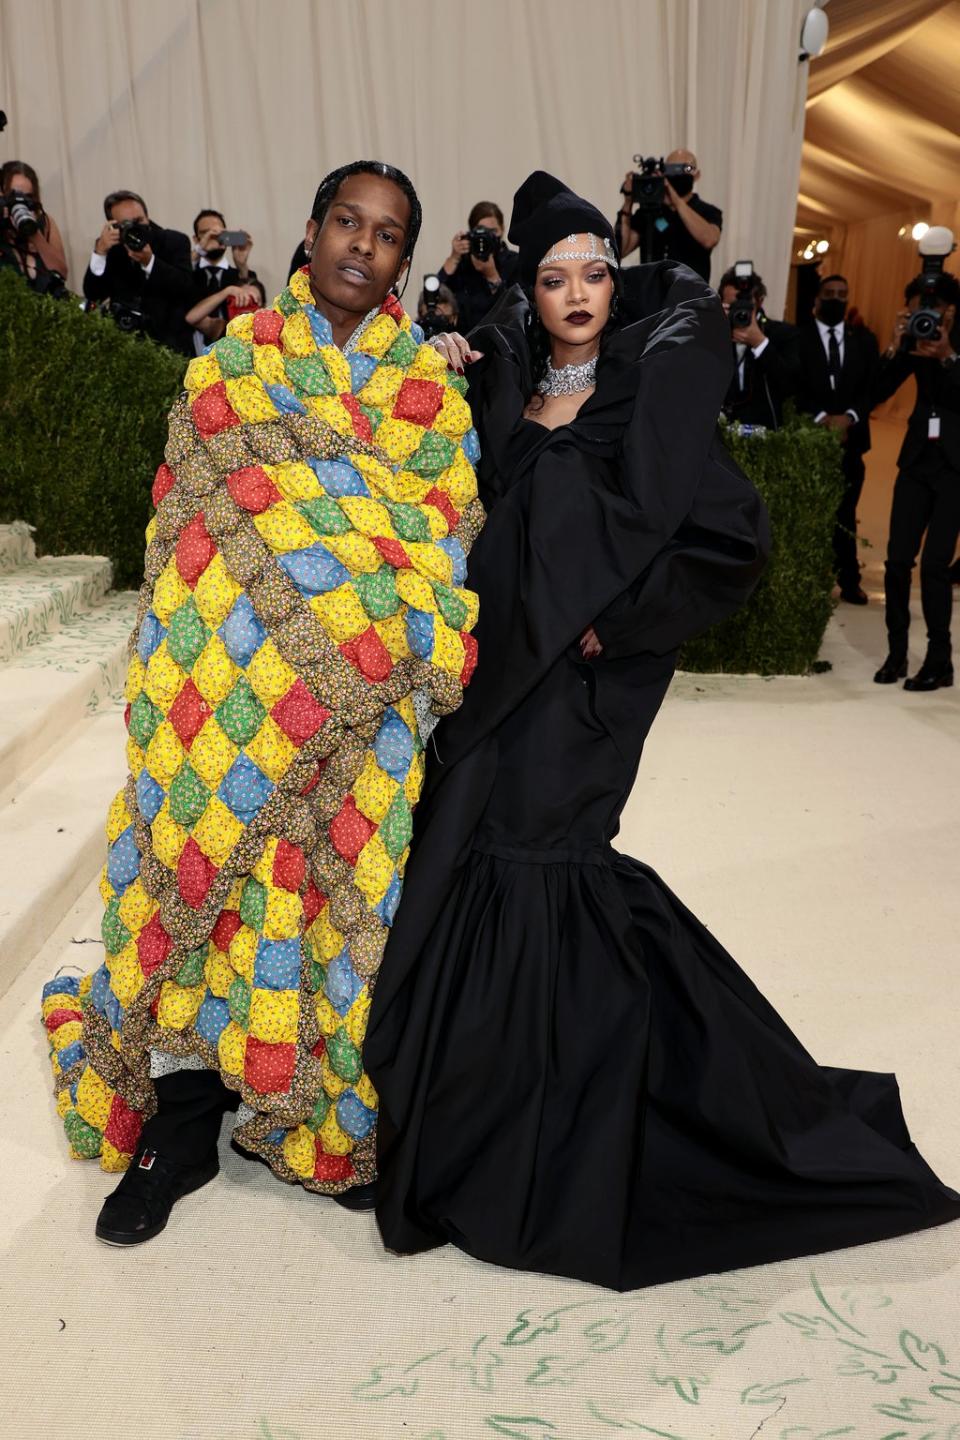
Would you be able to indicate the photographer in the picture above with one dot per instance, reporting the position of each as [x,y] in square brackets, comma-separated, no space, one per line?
[673,223]
[838,363]
[765,352]
[144,271]
[437,312]
[221,290]
[926,495]
[29,237]
[479,264]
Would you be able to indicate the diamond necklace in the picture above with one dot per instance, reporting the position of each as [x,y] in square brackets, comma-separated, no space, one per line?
[356,336]
[568,379]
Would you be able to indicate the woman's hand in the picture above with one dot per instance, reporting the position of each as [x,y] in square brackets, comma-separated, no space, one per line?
[590,646]
[243,294]
[455,350]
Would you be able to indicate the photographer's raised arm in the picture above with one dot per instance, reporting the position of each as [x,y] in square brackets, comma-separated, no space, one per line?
[49,247]
[627,237]
[704,231]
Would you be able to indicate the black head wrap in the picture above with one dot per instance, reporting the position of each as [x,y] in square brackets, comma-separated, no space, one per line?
[545,211]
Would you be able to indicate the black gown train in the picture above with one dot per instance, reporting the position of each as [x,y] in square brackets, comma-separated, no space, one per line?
[574,1076]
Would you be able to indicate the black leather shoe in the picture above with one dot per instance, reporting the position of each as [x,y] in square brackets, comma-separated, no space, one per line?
[890,671]
[140,1206]
[358,1197]
[931,677]
[854,595]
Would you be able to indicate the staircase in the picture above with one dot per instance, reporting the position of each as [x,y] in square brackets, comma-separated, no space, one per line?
[63,655]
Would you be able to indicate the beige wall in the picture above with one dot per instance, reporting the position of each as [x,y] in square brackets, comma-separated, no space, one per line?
[245,104]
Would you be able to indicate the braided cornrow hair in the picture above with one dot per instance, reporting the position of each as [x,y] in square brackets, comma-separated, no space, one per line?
[330,184]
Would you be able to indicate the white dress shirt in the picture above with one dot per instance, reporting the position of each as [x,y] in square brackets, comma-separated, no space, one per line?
[98,264]
[825,341]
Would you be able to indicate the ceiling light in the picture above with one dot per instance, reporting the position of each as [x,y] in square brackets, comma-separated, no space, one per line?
[920,229]
[822,247]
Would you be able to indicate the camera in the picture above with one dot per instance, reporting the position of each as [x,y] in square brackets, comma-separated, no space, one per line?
[126,317]
[648,189]
[20,213]
[924,322]
[743,306]
[484,242]
[134,234]
[432,322]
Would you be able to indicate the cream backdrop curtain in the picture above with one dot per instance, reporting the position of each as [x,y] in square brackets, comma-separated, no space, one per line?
[245,104]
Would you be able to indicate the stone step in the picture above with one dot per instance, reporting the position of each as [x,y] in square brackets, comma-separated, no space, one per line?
[16,546]
[42,596]
[73,672]
[52,839]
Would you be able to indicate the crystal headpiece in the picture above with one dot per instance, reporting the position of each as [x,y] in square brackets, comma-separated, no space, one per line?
[600,249]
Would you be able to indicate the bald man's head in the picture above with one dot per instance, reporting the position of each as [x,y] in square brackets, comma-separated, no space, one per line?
[683,157]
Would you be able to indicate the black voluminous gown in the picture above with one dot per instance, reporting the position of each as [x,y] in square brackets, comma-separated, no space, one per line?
[574,1076]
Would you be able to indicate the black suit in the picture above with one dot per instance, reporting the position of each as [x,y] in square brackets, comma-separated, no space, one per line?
[768,378]
[853,392]
[926,497]
[164,296]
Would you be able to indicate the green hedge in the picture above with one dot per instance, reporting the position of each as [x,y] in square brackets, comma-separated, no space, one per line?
[778,632]
[83,412]
[83,423]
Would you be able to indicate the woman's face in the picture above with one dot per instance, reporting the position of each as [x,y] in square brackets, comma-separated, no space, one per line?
[21,183]
[573,297]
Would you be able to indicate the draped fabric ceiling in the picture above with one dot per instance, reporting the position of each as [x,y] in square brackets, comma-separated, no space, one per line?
[882,142]
[245,104]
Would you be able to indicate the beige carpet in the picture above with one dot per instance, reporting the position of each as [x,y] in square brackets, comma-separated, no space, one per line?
[812,823]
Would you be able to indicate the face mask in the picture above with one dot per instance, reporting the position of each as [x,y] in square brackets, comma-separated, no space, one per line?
[832,311]
[683,184]
[217,253]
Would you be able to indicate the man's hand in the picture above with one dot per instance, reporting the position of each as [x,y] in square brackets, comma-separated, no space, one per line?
[108,237]
[241,255]
[899,329]
[455,350]
[935,349]
[590,646]
[750,334]
[675,201]
[626,189]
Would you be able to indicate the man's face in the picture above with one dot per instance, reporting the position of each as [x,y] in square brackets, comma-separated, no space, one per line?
[128,210]
[442,308]
[833,290]
[356,253]
[209,229]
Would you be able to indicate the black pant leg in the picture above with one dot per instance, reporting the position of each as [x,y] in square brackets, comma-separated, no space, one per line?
[909,513]
[845,534]
[936,586]
[192,1105]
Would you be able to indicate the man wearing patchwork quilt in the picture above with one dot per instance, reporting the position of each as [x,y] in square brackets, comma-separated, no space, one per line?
[302,624]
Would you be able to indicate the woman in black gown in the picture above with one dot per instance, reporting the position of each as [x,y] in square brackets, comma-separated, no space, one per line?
[574,1076]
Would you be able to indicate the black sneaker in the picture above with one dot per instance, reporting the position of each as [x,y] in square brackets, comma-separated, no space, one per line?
[140,1206]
